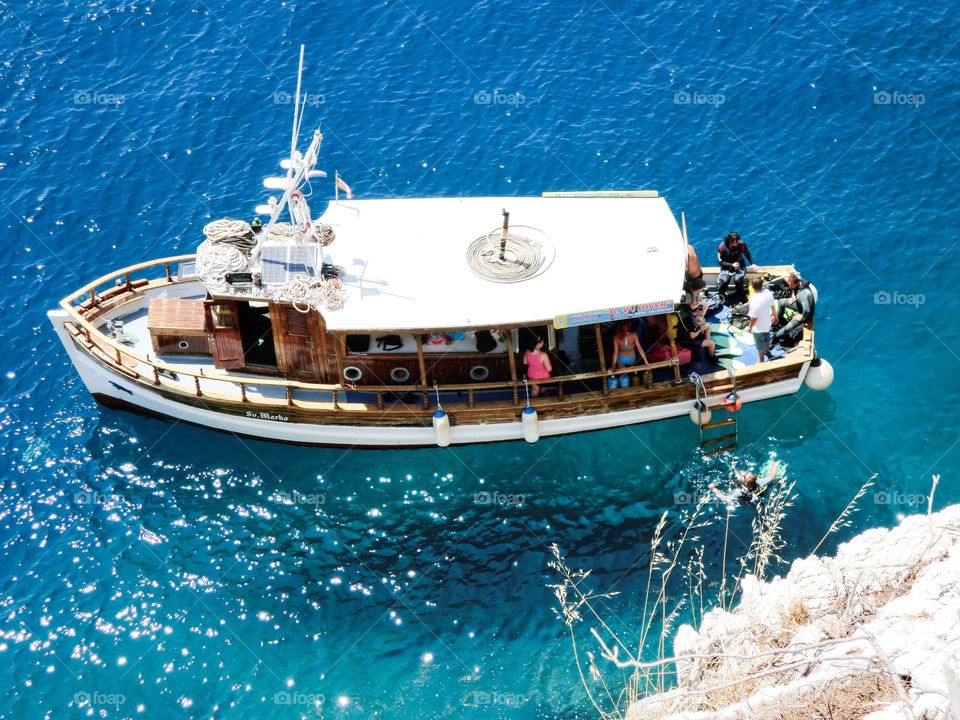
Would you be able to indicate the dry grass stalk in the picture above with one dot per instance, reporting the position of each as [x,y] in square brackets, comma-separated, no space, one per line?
[843,519]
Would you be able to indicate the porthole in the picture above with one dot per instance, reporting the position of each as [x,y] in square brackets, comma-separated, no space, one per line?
[183,344]
[479,373]
[352,374]
[399,374]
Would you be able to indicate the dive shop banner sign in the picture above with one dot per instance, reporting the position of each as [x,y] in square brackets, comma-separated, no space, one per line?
[592,317]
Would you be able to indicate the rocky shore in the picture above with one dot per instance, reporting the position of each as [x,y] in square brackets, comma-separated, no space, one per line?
[873,632]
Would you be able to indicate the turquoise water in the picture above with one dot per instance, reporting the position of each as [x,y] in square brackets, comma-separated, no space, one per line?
[161,570]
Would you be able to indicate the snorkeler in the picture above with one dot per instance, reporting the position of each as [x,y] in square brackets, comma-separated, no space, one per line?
[751,487]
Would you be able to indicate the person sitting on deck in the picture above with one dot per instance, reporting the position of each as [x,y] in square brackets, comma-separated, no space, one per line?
[730,254]
[762,313]
[626,347]
[795,311]
[694,287]
[538,364]
[750,489]
[693,331]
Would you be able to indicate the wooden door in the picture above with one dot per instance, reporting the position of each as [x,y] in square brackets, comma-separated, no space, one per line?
[296,339]
[223,326]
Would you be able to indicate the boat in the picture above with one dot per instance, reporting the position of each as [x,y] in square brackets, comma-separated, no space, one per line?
[403,322]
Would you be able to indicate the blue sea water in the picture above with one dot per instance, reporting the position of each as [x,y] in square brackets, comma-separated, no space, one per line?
[154,570]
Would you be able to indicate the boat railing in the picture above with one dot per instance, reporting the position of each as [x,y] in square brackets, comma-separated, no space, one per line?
[154,372]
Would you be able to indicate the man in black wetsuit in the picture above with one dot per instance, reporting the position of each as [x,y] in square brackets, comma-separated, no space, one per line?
[793,312]
[693,331]
[731,253]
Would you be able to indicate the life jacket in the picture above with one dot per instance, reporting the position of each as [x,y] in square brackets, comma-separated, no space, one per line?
[730,255]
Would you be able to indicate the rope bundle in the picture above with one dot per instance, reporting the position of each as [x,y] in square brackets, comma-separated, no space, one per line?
[323,234]
[280,231]
[305,293]
[227,249]
[232,232]
[524,258]
[215,260]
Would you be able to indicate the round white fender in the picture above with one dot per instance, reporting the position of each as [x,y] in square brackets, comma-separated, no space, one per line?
[819,375]
[441,427]
[531,425]
[700,414]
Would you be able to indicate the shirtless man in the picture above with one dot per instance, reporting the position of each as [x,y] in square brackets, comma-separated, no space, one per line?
[749,490]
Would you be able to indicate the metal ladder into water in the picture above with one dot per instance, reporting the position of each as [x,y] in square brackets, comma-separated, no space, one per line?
[722,435]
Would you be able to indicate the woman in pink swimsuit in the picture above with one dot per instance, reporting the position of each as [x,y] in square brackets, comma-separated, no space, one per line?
[538,365]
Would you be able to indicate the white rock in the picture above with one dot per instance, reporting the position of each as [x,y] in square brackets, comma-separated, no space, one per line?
[891,596]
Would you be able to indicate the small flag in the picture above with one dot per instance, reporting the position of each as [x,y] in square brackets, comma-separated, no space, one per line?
[341,185]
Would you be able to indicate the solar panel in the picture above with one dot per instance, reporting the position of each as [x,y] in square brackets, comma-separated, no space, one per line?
[281,263]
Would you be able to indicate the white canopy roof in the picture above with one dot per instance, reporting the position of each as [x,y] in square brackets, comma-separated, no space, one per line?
[405,260]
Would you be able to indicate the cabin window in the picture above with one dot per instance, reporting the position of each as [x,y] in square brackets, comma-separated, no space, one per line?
[222,317]
[523,337]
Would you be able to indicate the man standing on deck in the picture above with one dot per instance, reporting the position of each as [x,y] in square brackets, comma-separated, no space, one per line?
[762,313]
[731,253]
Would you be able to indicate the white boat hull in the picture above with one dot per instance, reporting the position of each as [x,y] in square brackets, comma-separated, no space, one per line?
[115,389]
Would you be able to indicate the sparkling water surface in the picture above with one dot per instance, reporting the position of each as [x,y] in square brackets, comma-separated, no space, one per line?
[152,569]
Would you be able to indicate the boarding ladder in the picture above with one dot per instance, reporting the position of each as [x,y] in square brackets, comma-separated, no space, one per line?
[722,435]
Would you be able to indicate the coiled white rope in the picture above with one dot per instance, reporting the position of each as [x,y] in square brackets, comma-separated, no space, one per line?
[215,260]
[219,230]
[524,257]
[306,293]
[232,232]
[280,231]
[323,234]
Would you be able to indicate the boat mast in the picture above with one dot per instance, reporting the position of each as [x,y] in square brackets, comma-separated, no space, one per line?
[298,167]
[296,125]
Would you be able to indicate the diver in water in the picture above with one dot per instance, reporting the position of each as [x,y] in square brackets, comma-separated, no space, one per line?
[749,489]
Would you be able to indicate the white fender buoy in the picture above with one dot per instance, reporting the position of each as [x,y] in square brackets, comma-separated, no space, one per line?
[700,413]
[819,375]
[531,424]
[441,427]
